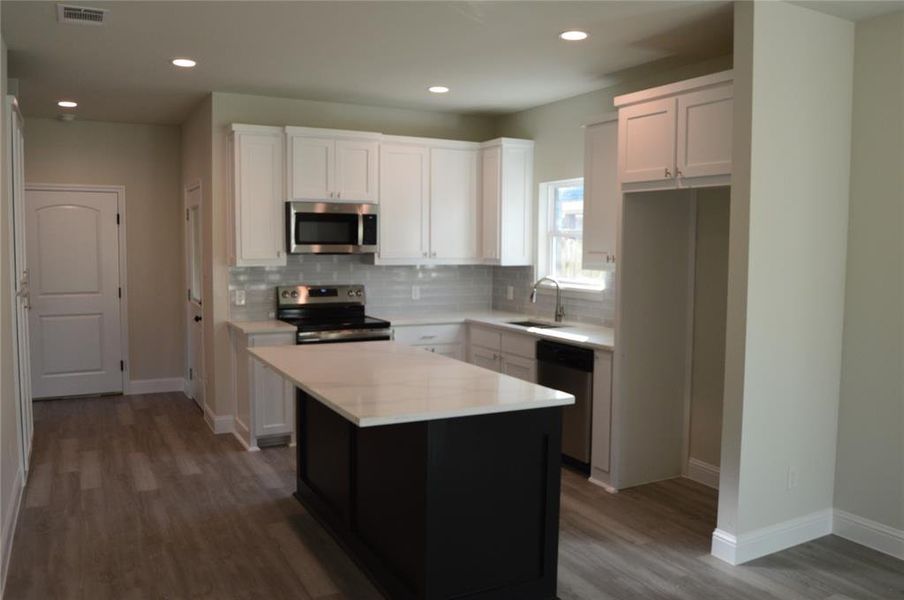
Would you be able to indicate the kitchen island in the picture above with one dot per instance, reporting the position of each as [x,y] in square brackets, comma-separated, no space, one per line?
[440,478]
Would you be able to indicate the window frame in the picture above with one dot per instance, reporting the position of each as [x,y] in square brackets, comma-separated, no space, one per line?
[547,233]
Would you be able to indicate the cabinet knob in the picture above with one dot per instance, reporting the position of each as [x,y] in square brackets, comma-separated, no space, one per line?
[678,172]
[667,172]
[338,194]
[425,254]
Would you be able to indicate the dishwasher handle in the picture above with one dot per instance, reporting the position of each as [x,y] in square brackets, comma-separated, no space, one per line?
[565,355]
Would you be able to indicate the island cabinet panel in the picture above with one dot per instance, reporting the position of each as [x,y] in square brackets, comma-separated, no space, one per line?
[464,507]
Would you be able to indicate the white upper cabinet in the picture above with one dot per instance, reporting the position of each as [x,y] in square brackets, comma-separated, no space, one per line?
[677,135]
[454,206]
[704,132]
[647,140]
[336,166]
[404,210]
[602,193]
[507,201]
[257,235]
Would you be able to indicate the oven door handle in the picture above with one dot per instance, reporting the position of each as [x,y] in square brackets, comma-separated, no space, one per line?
[344,335]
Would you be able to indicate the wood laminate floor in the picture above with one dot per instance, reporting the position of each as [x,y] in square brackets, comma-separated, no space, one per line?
[134,497]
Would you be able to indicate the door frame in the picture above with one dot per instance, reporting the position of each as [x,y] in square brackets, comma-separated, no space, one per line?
[189,187]
[120,192]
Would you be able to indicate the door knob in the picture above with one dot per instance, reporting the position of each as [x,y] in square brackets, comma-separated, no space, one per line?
[197,319]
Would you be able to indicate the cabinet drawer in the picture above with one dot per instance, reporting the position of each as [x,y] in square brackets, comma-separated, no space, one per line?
[271,339]
[488,338]
[428,334]
[519,345]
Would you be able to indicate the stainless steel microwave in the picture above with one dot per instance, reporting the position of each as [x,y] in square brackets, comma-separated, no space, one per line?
[331,228]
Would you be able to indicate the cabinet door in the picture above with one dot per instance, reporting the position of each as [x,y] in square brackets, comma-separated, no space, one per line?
[482,357]
[447,350]
[704,132]
[490,198]
[311,161]
[259,199]
[522,368]
[273,414]
[453,204]
[355,176]
[602,194]
[516,211]
[646,137]
[404,189]
[602,412]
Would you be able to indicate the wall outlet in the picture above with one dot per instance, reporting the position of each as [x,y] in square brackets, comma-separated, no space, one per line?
[239,298]
[415,292]
[509,292]
[793,477]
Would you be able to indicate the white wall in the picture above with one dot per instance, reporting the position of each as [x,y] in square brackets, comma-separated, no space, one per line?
[145,160]
[869,480]
[793,87]
[10,480]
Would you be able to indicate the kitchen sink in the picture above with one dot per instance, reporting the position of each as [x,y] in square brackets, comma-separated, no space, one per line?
[537,324]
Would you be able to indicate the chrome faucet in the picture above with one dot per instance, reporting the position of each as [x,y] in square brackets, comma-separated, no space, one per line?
[560,309]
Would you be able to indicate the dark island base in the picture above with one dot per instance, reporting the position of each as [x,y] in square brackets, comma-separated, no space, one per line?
[464,508]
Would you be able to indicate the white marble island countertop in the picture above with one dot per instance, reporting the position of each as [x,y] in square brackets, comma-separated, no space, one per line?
[381,383]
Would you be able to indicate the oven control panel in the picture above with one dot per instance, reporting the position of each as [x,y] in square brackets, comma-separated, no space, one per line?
[294,295]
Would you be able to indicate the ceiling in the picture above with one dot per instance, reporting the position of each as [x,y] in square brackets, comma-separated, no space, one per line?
[497,57]
[853,10]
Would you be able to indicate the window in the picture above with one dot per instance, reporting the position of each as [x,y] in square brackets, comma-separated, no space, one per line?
[562,203]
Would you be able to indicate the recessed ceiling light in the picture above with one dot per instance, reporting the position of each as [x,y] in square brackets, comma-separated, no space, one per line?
[573,36]
[67,104]
[185,63]
[438,89]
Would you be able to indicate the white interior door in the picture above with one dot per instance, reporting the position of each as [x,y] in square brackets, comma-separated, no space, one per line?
[194,284]
[72,244]
[21,356]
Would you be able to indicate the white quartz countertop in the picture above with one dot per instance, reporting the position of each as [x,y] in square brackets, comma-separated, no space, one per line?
[382,383]
[269,326]
[578,334]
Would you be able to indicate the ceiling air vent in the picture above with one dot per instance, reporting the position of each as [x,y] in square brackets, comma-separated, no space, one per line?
[81,15]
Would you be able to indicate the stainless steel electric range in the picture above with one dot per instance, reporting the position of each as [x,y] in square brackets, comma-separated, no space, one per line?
[329,314]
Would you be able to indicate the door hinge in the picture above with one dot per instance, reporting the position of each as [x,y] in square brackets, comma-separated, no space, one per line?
[188,294]
[191,374]
[186,214]
[120,292]
[122,365]
[117,218]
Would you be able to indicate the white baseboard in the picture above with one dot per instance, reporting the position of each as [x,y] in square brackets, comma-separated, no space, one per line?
[602,484]
[9,527]
[871,534]
[156,386]
[241,432]
[737,550]
[702,472]
[218,423]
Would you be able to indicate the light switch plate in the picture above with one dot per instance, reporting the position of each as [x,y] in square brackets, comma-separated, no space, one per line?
[239,299]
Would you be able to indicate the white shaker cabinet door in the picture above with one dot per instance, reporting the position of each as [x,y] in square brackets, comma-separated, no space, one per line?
[311,161]
[404,201]
[520,367]
[259,198]
[482,357]
[355,178]
[646,139]
[602,193]
[454,203]
[490,198]
[704,132]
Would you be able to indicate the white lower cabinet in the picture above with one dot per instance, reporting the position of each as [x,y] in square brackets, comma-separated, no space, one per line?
[439,339]
[265,401]
[601,427]
[507,353]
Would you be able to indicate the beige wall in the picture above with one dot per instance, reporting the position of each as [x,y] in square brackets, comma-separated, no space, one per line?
[710,285]
[146,160]
[790,201]
[260,110]
[870,460]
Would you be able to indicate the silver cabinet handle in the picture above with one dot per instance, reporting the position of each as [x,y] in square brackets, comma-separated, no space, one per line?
[667,172]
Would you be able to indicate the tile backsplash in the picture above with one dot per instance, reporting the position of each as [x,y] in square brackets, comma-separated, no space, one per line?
[597,308]
[390,289]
